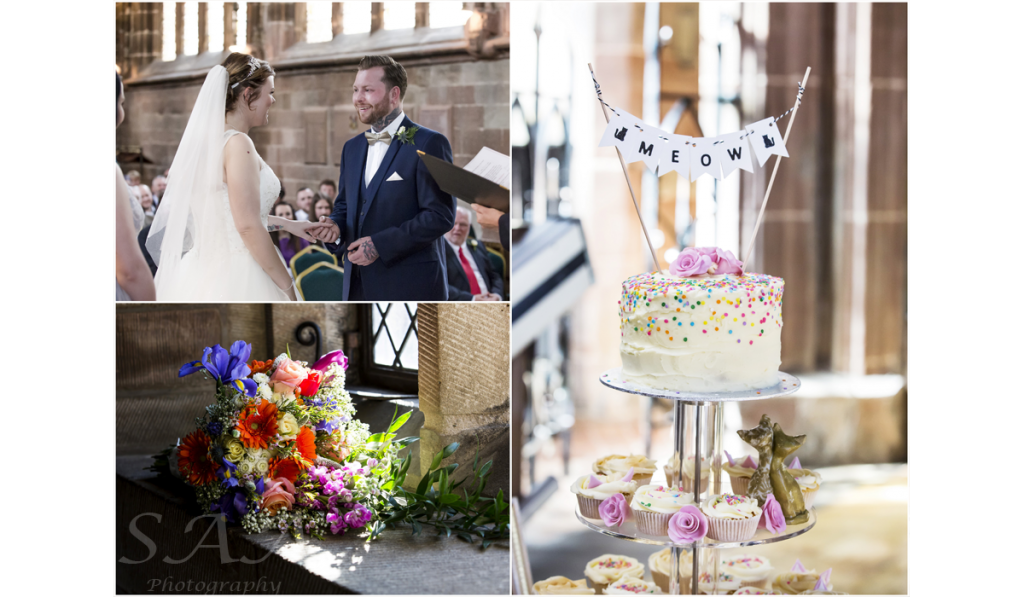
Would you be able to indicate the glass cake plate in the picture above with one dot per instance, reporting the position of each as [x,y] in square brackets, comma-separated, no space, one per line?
[629,532]
[787,385]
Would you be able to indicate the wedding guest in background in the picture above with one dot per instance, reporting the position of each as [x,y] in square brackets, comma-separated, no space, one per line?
[289,244]
[158,184]
[470,275]
[304,203]
[323,206]
[133,177]
[145,197]
[328,189]
[134,281]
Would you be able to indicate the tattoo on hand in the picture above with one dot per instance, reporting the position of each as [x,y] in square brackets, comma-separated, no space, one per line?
[383,122]
[369,251]
[274,227]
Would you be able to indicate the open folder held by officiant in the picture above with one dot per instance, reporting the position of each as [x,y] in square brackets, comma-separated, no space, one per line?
[484,180]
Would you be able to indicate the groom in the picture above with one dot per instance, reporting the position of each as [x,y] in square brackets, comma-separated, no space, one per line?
[390,216]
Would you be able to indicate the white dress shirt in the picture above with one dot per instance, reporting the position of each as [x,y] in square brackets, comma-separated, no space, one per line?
[301,215]
[472,263]
[375,153]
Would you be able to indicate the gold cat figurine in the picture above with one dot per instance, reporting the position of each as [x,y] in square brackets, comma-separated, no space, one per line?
[760,438]
[784,486]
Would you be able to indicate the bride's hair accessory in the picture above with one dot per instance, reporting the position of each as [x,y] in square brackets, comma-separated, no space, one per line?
[254,64]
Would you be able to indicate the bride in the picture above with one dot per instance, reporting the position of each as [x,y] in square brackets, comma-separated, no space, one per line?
[210,236]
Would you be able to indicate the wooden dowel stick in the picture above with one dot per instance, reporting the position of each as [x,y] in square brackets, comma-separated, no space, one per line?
[632,194]
[771,181]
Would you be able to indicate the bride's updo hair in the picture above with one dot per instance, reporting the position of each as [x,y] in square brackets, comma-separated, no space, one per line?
[244,72]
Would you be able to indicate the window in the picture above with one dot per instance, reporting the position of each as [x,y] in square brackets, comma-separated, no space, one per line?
[399,15]
[241,24]
[215,26]
[390,346]
[318,22]
[355,17]
[191,29]
[448,14]
[169,51]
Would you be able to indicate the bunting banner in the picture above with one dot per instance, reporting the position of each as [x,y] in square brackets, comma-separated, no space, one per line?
[693,157]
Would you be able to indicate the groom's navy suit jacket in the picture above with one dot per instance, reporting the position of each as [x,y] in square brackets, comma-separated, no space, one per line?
[406,219]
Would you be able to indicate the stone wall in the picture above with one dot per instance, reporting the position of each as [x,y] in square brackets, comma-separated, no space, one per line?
[464,387]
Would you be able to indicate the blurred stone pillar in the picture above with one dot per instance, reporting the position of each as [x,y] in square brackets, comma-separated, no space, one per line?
[484,25]
[254,28]
[284,26]
[230,25]
[337,14]
[464,387]
[144,35]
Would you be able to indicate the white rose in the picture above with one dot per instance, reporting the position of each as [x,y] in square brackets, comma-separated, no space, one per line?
[287,426]
[401,130]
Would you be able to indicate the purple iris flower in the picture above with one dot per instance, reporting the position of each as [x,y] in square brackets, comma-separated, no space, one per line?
[328,425]
[228,368]
[231,505]
[228,474]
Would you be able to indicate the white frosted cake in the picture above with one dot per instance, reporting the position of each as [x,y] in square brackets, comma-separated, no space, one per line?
[707,333]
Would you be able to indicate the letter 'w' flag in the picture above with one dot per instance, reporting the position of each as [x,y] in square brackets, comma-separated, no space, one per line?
[734,153]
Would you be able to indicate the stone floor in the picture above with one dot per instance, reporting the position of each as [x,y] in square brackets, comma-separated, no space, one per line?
[861,532]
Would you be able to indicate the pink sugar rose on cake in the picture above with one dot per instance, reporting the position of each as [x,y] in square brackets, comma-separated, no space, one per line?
[696,261]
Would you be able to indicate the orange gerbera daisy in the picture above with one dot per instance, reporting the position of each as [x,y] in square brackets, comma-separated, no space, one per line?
[257,425]
[194,461]
[305,443]
[284,467]
[260,366]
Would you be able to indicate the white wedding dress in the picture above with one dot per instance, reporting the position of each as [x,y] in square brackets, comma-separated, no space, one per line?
[219,267]
[200,255]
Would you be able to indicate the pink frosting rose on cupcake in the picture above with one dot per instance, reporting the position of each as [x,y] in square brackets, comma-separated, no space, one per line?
[687,525]
[613,510]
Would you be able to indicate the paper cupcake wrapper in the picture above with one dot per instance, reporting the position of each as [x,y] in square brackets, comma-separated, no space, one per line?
[688,483]
[739,484]
[642,480]
[809,497]
[730,530]
[588,506]
[661,579]
[652,523]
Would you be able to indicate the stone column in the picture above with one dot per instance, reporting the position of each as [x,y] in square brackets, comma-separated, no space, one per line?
[204,31]
[230,26]
[464,387]
[376,16]
[337,12]
[285,24]
[144,36]
[422,14]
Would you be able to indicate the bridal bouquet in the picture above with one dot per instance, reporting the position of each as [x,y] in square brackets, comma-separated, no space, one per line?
[280,447]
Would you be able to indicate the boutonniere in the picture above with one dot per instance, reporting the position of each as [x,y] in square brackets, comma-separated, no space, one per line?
[472,243]
[406,135]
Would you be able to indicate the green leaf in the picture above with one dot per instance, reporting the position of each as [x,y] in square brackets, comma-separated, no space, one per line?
[405,441]
[437,460]
[421,489]
[416,527]
[449,498]
[397,424]
[485,469]
[451,468]
[449,449]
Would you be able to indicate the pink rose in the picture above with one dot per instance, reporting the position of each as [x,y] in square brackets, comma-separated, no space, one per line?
[288,373]
[727,263]
[690,263]
[278,494]
[772,518]
[688,525]
[613,510]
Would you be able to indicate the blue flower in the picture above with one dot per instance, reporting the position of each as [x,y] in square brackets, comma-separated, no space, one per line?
[228,368]
[232,505]
[214,428]
[228,474]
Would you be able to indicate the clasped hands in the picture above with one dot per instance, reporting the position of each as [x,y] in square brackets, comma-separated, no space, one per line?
[360,252]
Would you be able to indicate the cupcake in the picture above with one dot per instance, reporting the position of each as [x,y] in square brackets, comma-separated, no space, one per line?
[660,565]
[654,505]
[731,517]
[616,466]
[672,469]
[560,585]
[740,472]
[796,583]
[809,482]
[751,571]
[607,569]
[726,584]
[632,586]
[591,490]
[754,591]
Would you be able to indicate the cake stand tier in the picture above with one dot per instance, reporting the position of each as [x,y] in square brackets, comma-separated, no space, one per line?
[628,532]
[787,385]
